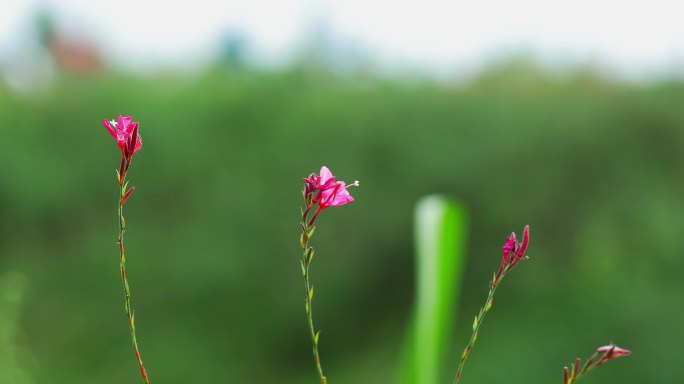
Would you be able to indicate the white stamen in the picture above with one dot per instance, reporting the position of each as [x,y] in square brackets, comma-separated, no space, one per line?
[113,123]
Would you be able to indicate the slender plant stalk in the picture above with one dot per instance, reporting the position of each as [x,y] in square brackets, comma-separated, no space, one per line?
[479,319]
[513,253]
[308,227]
[127,292]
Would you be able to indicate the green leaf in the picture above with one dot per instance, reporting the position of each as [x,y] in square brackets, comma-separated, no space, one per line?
[440,230]
[475,324]
[316,337]
[311,293]
[301,263]
[310,255]
[311,232]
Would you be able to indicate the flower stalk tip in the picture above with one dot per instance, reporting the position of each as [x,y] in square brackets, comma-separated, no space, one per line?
[513,253]
[602,354]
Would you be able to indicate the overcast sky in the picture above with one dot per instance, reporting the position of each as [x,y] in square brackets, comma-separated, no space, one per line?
[440,36]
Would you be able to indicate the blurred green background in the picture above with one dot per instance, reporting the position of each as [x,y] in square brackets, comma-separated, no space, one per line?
[593,165]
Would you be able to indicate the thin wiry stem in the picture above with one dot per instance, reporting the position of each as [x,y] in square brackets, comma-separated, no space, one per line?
[127,292]
[307,227]
[477,323]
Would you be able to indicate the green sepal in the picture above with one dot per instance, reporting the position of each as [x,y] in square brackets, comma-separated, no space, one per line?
[475,324]
[316,337]
[311,293]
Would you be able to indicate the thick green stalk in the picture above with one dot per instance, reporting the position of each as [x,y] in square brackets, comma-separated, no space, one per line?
[127,292]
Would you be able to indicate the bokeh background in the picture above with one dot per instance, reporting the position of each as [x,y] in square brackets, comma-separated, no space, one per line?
[558,126]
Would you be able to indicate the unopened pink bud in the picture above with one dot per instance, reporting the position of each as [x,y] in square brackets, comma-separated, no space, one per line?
[525,241]
[509,246]
[612,352]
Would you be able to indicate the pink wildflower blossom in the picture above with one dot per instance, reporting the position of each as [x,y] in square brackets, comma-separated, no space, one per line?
[331,193]
[125,132]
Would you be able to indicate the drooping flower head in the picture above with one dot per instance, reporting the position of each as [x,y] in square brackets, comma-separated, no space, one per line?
[325,191]
[125,132]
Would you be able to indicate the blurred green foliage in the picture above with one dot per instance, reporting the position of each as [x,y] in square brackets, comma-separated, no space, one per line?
[594,166]
[440,227]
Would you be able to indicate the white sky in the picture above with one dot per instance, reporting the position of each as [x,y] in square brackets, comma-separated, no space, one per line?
[443,36]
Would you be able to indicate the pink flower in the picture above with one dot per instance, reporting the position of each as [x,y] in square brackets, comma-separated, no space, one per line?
[331,193]
[125,132]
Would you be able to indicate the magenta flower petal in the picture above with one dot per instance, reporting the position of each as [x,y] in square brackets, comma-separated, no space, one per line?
[341,196]
[123,122]
[336,196]
[109,128]
[509,246]
[325,175]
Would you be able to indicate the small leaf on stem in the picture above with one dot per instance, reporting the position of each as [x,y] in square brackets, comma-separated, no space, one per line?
[310,255]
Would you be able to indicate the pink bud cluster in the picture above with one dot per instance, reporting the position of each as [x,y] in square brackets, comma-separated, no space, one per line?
[606,352]
[513,252]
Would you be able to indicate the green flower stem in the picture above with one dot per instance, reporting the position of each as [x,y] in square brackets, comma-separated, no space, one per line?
[307,256]
[127,292]
[479,319]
